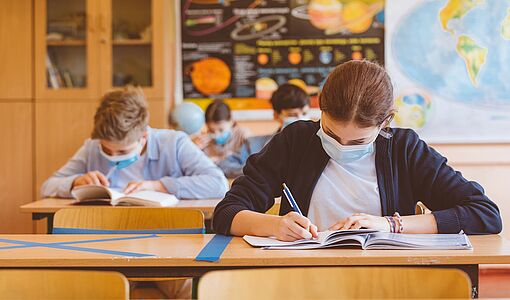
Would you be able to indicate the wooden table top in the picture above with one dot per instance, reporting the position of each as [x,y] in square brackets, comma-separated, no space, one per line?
[52,205]
[181,250]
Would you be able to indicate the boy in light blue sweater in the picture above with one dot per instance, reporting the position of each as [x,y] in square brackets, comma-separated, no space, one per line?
[124,153]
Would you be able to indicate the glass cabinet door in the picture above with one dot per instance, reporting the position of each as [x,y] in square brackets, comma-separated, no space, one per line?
[65,55]
[132,43]
[131,40]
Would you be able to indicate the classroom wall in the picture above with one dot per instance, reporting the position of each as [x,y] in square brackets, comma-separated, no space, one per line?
[488,164]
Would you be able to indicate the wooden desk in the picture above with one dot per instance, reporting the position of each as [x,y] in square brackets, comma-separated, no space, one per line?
[46,208]
[174,255]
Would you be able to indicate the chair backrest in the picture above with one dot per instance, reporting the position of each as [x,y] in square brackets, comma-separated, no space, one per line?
[55,284]
[335,283]
[97,220]
[274,210]
[421,209]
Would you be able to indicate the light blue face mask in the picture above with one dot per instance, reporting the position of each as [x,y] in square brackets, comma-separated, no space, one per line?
[122,161]
[222,138]
[344,154]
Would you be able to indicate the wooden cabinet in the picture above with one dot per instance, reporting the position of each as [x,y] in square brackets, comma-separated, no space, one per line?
[16,114]
[16,55]
[87,47]
[58,57]
[16,165]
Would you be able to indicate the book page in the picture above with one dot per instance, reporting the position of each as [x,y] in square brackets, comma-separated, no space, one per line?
[91,192]
[328,237]
[417,241]
[257,241]
[147,198]
[114,194]
[325,238]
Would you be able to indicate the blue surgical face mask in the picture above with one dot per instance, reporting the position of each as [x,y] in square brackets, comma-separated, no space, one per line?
[222,138]
[344,154]
[124,160]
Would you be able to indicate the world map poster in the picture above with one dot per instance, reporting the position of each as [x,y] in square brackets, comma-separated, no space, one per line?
[242,50]
[450,64]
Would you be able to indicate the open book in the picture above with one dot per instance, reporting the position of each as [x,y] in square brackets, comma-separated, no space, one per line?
[368,239]
[97,193]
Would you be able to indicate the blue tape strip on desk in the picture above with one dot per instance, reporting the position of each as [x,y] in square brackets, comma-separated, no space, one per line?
[213,250]
[64,245]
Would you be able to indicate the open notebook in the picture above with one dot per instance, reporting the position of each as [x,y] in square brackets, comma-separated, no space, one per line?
[367,239]
[97,193]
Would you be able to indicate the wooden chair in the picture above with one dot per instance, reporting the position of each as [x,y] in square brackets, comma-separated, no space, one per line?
[129,220]
[421,209]
[125,219]
[274,210]
[56,284]
[335,283]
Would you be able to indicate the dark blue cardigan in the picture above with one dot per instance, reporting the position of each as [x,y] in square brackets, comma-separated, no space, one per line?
[408,171]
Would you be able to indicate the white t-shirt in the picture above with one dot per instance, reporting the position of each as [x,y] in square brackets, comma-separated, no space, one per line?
[345,189]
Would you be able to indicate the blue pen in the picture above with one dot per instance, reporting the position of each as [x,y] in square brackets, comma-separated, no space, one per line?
[290,198]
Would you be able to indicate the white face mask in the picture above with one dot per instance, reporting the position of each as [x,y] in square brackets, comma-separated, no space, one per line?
[344,154]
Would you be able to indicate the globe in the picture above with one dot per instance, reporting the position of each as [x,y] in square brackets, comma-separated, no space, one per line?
[188,117]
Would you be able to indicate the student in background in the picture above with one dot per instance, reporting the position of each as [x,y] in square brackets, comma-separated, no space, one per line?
[290,103]
[224,138]
[351,171]
[126,154]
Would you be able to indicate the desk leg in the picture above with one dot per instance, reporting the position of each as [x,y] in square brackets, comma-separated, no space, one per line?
[208,226]
[194,288]
[49,221]
[472,272]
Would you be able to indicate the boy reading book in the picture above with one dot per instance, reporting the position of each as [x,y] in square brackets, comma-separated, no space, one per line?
[126,154]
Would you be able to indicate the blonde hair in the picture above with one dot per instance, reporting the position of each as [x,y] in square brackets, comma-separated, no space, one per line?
[122,116]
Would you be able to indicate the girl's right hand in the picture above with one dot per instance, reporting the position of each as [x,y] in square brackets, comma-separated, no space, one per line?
[294,226]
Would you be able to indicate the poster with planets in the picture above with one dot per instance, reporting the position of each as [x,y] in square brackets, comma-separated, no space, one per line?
[242,50]
[452,77]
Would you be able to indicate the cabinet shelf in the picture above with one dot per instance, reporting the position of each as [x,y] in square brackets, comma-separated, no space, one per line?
[134,42]
[66,43]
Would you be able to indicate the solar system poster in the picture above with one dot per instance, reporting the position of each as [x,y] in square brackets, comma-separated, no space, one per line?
[242,50]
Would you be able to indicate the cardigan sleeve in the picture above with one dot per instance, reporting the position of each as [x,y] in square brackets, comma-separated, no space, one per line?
[258,187]
[457,204]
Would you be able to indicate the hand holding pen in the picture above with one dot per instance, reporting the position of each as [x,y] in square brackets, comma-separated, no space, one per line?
[294,226]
